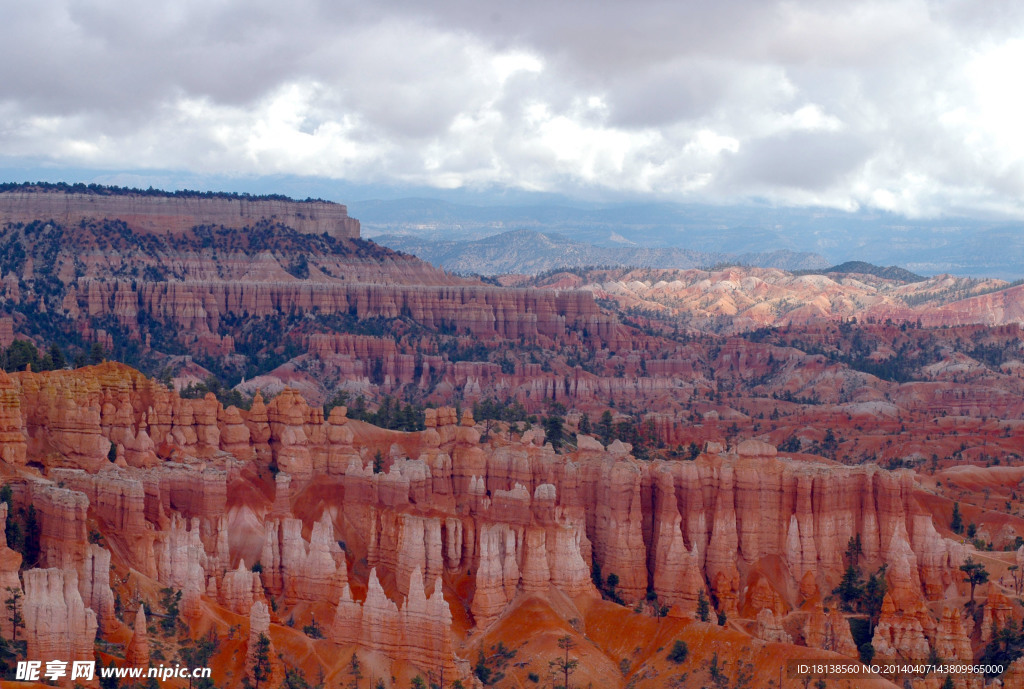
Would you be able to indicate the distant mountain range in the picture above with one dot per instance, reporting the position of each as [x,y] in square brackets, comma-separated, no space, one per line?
[530,252]
[961,246]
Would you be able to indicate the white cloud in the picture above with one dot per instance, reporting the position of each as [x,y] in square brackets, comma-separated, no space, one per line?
[908,105]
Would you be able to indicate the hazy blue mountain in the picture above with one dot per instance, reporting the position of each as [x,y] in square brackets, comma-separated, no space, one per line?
[947,245]
[527,251]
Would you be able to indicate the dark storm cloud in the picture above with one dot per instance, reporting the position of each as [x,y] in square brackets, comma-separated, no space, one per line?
[903,104]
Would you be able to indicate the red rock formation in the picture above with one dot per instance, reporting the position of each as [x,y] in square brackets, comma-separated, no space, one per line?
[237,588]
[94,585]
[1014,676]
[770,629]
[119,502]
[201,305]
[678,579]
[426,626]
[287,415]
[617,525]
[419,633]
[346,628]
[762,595]
[748,298]
[808,586]
[182,562]
[997,612]
[12,442]
[313,571]
[340,451]
[406,543]
[10,563]
[829,632]
[756,532]
[70,421]
[258,423]
[57,623]
[898,634]
[282,495]
[136,654]
[951,640]
[63,540]
[321,574]
[259,626]
[497,574]
[234,434]
[536,571]
[194,491]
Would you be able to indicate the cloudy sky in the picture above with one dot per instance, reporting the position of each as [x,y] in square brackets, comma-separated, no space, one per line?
[910,106]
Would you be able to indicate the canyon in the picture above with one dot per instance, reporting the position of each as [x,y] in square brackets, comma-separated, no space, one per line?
[334,462]
[416,550]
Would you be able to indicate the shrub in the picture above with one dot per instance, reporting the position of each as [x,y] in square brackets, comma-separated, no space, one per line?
[679,652]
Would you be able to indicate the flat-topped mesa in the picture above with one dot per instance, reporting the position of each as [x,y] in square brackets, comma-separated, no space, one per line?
[172,214]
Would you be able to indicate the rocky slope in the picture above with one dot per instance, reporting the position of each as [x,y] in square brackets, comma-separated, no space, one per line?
[415,550]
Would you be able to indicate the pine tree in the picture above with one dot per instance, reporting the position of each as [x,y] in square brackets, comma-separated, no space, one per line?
[874,593]
[703,607]
[554,431]
[854,550]
[850,588]
[956,525]
[974,574]
[605,427]
[33,532]
[261,665]
[564,665]
[57,357]
[13,605]
[355,671]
